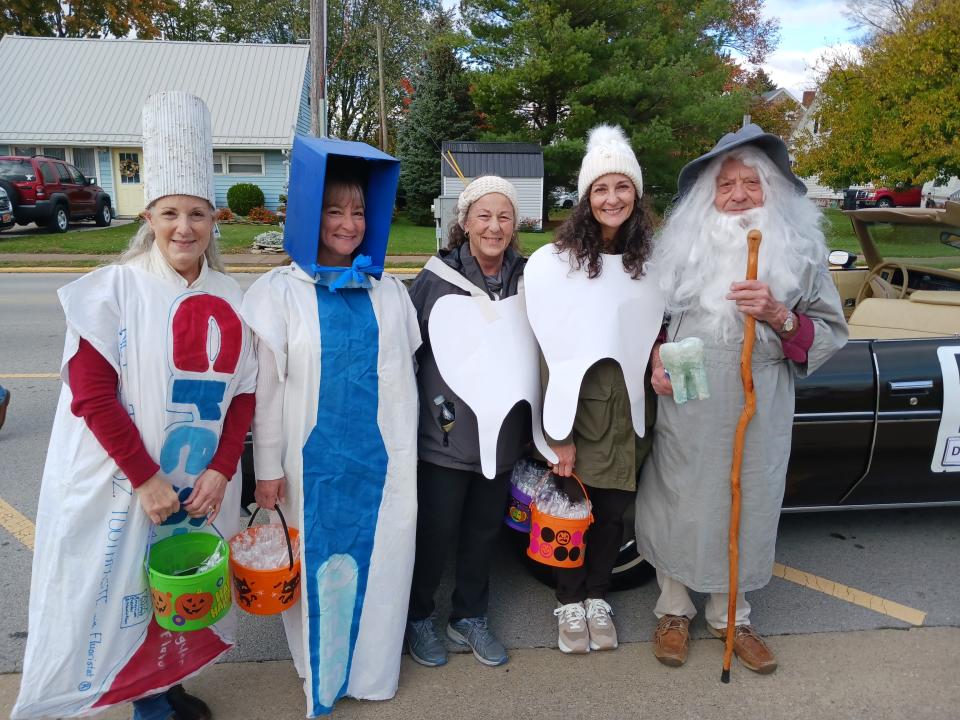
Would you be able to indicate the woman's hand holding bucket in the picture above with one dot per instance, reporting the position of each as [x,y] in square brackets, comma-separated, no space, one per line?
[207,495]
[158,499]
[567,455]
[270,492]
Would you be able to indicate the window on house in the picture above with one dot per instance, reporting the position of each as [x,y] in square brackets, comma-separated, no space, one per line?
[129,168]
[60,153]
[24,151]
[816,126]
[238,163]
[86,160]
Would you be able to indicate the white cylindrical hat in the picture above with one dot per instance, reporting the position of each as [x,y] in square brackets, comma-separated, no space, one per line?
[177,147]
[608,152]
[484,185]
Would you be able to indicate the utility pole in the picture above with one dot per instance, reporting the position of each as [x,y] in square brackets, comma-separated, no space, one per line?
[318,68]
[383,99]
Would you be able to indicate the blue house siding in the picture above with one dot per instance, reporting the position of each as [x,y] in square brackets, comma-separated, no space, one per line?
[273,182]
[303,113]
[105,175]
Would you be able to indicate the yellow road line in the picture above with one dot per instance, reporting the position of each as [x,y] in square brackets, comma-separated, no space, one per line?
[29,376]
[16,524]
[850,595]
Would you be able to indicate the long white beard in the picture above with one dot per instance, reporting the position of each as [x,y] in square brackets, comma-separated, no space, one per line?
[718,257]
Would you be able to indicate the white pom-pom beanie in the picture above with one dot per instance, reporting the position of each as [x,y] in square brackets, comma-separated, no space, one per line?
[608,151]
[485,185]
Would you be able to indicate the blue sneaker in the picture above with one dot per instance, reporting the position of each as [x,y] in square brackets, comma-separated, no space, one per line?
[475,633]
[423,643]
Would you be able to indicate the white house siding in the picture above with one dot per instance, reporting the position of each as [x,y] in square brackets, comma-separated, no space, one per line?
[529,196]
[816,191]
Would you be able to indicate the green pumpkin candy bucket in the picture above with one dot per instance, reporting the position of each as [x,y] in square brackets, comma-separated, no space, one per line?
[189,581]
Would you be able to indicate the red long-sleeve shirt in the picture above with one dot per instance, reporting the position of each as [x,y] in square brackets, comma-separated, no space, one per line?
[94,382]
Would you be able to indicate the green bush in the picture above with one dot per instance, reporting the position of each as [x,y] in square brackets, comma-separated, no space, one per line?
[243,197]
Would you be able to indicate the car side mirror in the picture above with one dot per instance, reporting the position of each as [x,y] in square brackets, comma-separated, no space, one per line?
[951,239]
[842,258]
[91,181]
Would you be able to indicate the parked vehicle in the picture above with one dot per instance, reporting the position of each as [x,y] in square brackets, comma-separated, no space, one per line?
[563,198]
[6,211]
[878,425]
[899,196]
[52,193]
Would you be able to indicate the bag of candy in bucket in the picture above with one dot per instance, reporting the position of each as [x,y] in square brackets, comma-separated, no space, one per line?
[558,524]
[265,563]
[526,476]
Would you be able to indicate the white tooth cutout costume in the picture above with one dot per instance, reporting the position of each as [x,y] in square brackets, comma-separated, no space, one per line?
[487,353]
[580,320]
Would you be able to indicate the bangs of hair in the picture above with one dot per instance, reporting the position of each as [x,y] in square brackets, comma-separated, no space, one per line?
[342,192]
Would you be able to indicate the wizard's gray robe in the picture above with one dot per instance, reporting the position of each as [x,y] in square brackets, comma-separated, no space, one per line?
[683,502]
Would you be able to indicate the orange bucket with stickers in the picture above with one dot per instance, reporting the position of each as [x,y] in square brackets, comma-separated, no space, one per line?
[259,591]
[558,541]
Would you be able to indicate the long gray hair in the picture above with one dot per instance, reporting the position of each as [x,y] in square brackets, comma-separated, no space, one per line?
[145,237]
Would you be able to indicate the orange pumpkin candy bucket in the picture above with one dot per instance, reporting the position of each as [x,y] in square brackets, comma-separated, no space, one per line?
[558,541]
[261,591]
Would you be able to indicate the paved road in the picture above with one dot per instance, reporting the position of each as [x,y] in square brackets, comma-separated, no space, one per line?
[911,557]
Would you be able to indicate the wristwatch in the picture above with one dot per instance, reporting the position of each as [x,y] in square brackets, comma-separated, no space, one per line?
[789,324]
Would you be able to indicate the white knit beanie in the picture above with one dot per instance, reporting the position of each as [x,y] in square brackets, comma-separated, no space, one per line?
[485,185]
[608,152]
[177,147]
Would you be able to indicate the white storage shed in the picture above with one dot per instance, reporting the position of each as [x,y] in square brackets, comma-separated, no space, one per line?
[520,163]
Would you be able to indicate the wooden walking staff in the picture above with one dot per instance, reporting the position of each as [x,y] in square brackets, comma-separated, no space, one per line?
[749,408]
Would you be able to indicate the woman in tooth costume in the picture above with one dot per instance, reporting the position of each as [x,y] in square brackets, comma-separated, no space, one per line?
[335,432]
[596,314]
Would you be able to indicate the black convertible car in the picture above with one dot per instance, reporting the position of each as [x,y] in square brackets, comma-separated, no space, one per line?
[877,426]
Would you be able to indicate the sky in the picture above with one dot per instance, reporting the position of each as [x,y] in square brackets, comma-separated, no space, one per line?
[809,29]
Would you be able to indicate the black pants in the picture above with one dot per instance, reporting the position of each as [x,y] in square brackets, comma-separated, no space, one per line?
[603,538]
[462,507]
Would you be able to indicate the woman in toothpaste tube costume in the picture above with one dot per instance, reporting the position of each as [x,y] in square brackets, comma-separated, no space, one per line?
[335,432]
[596,315]
[159,374]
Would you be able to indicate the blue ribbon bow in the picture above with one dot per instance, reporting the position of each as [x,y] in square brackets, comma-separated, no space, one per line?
[361,267]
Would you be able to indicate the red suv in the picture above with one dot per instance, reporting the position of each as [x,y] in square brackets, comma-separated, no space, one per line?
[899,196]
[51,193]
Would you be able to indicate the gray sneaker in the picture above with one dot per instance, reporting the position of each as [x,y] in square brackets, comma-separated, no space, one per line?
[603,635]
[423,643]
[475,633]
[573,636]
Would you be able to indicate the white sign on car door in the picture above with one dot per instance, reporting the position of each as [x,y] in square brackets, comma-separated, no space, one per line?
[946,453]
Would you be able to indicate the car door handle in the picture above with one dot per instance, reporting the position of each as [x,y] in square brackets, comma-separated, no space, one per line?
[910,387]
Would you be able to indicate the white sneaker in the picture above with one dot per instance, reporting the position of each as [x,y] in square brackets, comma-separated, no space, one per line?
[573,635]
[603,635]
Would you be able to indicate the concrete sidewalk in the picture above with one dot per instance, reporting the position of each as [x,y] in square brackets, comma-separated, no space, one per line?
[880,675]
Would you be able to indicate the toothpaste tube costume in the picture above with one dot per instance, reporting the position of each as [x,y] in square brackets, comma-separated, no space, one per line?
[181,353]
[336,361]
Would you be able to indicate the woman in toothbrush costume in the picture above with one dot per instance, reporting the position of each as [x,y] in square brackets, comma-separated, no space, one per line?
[335,431]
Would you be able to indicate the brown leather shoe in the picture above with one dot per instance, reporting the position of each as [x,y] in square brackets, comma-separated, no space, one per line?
[750,648]
[671,641]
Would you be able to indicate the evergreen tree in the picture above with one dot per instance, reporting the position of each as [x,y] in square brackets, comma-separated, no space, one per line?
[441,109]
[549,70]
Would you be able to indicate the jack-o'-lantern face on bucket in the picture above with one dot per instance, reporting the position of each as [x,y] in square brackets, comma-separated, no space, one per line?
[563,537]
[193,606]
[161,602]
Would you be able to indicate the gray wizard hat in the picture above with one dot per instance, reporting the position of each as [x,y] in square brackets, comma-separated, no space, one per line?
[771,145]
[177,147]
